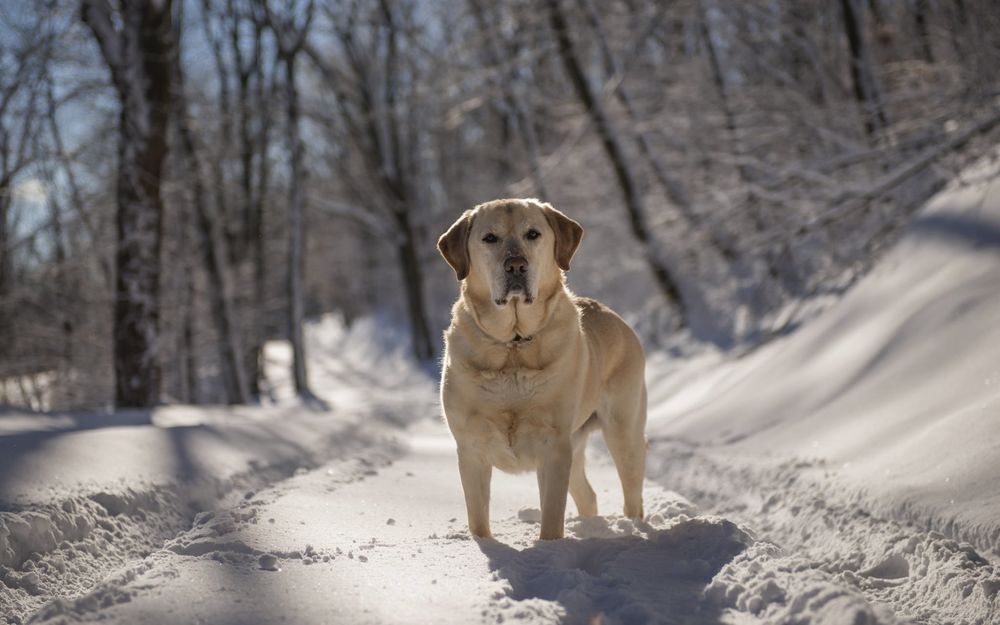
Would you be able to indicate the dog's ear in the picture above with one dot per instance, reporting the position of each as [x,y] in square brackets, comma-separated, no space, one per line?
[568,235]
[454,245]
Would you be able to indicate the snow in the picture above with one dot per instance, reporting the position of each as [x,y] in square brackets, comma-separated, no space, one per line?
[896,389]
[85,494]
[273,555]
[843,474]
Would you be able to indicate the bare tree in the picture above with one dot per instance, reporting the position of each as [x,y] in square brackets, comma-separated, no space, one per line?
[504,69]
[76,200]
[136,45]
[756,155]
[19,87]
[920,10]
[212,244]
[291,28]
[777,258]
[254,95]
[608,133]
[245,96]
[866,90]
[375,95]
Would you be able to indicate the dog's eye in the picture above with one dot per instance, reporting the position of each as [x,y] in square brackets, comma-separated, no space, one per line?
[490,238]
[533,234]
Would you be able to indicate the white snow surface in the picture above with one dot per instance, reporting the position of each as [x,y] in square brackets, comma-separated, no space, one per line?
[845,474]
[896,389]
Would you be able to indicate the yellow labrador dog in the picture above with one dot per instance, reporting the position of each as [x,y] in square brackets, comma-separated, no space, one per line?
[530,368]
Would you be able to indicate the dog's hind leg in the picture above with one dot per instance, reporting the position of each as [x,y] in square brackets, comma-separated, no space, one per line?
[625,434]
[579,487]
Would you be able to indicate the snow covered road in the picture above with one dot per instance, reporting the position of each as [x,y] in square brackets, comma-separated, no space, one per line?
[378,539]
[377,534]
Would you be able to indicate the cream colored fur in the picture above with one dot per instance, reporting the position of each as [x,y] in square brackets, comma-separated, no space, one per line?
[528,404]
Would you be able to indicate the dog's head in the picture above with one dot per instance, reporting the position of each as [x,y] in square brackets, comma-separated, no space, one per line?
[511,249]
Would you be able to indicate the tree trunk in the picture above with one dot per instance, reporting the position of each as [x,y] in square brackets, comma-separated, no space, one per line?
[252,105]
[865,88]
[263,95]
[64,314]
[631,193]
[4,239]
[296,232]
[413,283]
[255,357]
[212,247]
[920,10]
[138,53]
[189,384]
[185,361]
[230,225]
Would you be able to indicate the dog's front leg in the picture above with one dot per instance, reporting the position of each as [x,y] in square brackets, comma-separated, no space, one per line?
[553,482]
[476,475]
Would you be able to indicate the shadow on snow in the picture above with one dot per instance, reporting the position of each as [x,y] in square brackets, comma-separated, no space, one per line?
[656,578]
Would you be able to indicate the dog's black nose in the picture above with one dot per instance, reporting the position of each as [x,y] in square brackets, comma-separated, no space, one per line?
[516,264]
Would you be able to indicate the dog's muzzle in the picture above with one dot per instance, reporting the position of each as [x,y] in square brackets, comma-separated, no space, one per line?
[515,280]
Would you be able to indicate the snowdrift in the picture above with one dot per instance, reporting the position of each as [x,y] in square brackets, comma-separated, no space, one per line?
[895,390]
[83,494]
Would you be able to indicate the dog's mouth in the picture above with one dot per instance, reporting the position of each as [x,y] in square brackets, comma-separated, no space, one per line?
[515,287]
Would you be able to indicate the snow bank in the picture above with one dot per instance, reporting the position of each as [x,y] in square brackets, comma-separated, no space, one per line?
[83,494]
[823,557]
[896,388]
[865,445]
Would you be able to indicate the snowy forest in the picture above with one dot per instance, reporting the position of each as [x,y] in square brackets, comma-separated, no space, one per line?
[171,201]
[222,309]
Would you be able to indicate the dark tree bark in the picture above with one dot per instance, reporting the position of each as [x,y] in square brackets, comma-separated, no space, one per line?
[138,53]
[413,282]
[290,37]
[251,102]
[186,361]
[296,231]
[920,10]
[5,264]
[212,246]
[231,224]
[263,94]
[631,194]
[413,276]
[63,314]
[866,90]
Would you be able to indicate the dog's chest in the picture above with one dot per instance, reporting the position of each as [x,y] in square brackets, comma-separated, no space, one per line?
[511,386]
[515,441]
[509,377]
[510,424]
